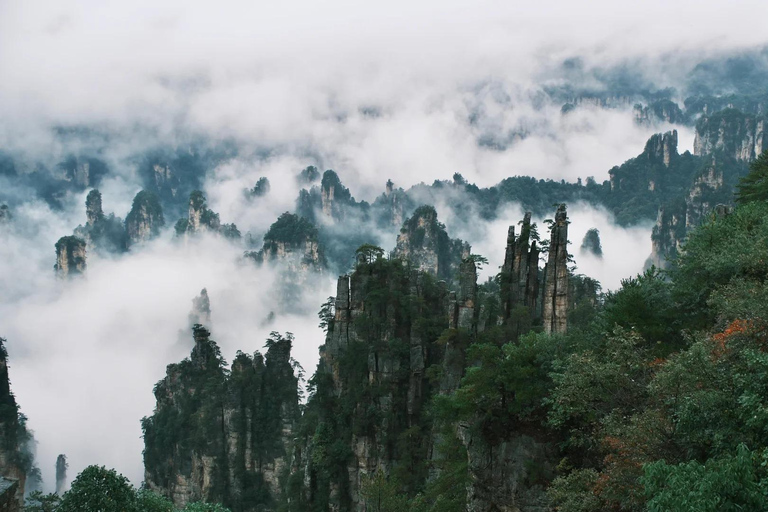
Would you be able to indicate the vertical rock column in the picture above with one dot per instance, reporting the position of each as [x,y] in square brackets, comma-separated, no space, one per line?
[520,271]
[462,305]
[61,474]
[70,256]
[93,208]
[555,310]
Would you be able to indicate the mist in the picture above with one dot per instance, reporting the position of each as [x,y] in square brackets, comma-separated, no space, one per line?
[403,91]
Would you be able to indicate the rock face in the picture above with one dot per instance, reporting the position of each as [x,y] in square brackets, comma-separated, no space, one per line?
[520,274]
[70,256]
[61,474]
[659,111]
[333,196]
[94,213]
[16,461]
[240,426]
[145,219]
[201,219]
[662,147]
[555,309]
[590,244]
[732,133]
[424,242]
[292,240]
[102,233]
[395,202]
[164,179]
[677,217]
[376,346]
[260,189]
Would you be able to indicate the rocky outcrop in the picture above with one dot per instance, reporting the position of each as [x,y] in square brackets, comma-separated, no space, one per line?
[424,242]
[590,244]
[16,460]
[676,218]
[394,204]
[555,308]
[520,274]
[704,195]
[260,189]
[308,175]
[659,111]
[202,219]
[502,476]
[9,490]
[102,233]
[239,426]
[379,312]
[70,257]
[732,133]
[144,221]
[164,179]
[293,241]
[662,147]
[461,312]
[668,234]
[61,474]
[94,213]
[334,196]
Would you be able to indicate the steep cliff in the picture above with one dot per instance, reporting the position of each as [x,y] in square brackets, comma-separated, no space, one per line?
[82,172]
[367,413]
[202,219]
[238,426]
[61,474]
[519,278]
[424,242]
[555,309]
[94,212]
[70,256]
[731,133]
[103,234]
[393,206]
[144,221]
[293,241]
[334,196]
[16,459]
[663,110]
[712,186]
[591,244]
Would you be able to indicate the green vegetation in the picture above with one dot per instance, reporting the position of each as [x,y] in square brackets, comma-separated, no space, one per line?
[754,186]
[146,204]
[261,188]
[291,229]
[202,407]
[100,489]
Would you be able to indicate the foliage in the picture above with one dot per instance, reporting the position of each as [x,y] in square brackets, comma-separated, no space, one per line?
[98,488]
[39,502]
[261,188]
[754,186]
[291,229]
[722,484]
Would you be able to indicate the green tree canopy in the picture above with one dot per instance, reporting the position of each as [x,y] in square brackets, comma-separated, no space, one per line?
[754,186]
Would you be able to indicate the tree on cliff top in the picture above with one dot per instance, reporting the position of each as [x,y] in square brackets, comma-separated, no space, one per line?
[754,186]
